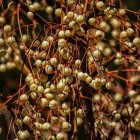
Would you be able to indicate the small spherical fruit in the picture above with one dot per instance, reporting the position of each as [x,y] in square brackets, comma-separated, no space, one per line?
[40,89]
[30,15]
[46,126]
[45,45]
[27,120]
[61,34]
[79,121]
[61,86]
[38,63]
[58,12]
[33,95]
[81,76]
[43,102]
[118,55]
[60,136]
[100,5]
[50,39]
[107,51]
[67,33]
[121,12]
[53,61]
[70,15]
[80,19]
[49,69]
[97,54]
[33,87]
[108,85]
[65,105]
[7,28]
[88,79]
[92,21]
[2,20]
[62,43]
[130,31]
[53,104]
[51,138]
[49,10]
[66,126]
[23,98]
[136,41]
[78,63]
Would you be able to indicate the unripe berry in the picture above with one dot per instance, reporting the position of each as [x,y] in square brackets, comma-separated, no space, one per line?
[33,95]
[130,31]
[79,121]
[81,76]
[70,15]
[67,33]
[78,63]
[51,137]
[50,39]
[80,113]
[53,61]
[108,85]
[88,79]
[65,105]
[30,15]
[60,136]
[136,41]
[45,45]
[49,10]
[46,126]
[32,8]
[60,86]
[36,6]
[53,104]
[49,69]
[92,21]
[33,87]
[97,54]
[123,34]
[7,28]
[2,20]
[40,89]
[115,33]
[117,97]
[38,63]
[10,40]
[66,126]
[80,19]
[27,120]
[115,23]
[43,102]
[118,55]
[2,67]
[58,12]
[100,5]
[71,24]
[54,119]
[1,42]
[23,98]
[61,34]
[121,12]
[107,51]
[62,42]
[99,34]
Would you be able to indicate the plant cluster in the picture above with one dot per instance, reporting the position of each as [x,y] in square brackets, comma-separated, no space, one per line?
[79,67]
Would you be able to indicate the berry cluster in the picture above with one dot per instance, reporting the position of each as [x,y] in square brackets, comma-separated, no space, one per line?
[81,63]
